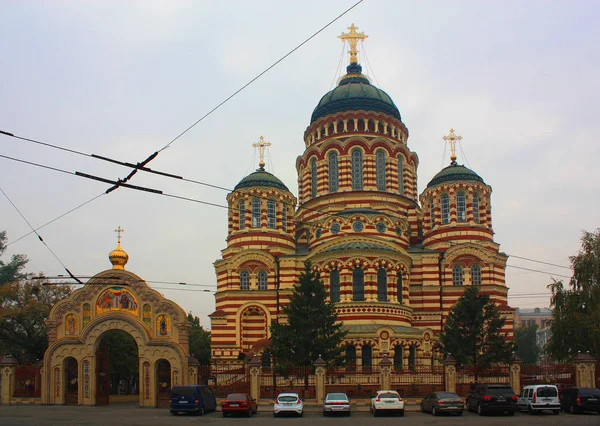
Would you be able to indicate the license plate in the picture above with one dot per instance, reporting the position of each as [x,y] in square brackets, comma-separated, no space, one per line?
[592,399]
[389,402]
[501,399]
[234,405]
[183,402]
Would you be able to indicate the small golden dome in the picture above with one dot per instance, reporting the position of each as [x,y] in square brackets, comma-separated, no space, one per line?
[118,258]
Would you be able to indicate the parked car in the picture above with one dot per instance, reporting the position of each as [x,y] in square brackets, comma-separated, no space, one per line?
[579,400]
[536,398]
[239,403]
[196,399]
[442,402]
[288,403]
[387,401]
[336,403]
[492,397]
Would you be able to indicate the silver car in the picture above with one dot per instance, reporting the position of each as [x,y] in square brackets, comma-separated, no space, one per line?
[336,403]
[288,403]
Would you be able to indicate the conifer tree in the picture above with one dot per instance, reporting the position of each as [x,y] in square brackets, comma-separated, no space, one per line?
[311,330]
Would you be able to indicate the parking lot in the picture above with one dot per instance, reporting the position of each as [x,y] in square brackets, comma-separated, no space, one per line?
[129,414]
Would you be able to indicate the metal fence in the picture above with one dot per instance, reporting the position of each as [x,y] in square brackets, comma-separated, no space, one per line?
[417,381]
[225,379]
[300,380]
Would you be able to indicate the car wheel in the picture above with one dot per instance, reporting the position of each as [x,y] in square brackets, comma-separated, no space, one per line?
[301,414]
[479,409]
[401,413]
[174,413]
[468,405]
[224,414]
[459,413]
[324,413]
[201,411]
[557,412]
[434,411]
[529,409]
[511,413]
[274,414]
[572,409]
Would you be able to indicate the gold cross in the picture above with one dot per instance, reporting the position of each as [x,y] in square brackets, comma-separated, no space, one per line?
[451,139]
[353,37]
[261,145]
[119,230]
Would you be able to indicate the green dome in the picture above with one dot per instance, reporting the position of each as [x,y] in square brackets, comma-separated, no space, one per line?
[455,172]
[355,92]
[261,178]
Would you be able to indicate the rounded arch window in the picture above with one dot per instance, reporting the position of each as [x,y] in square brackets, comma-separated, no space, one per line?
[381,228]
[445,201]
[382,294]
[461,207]
[358,284]
[333,171]
[335,228]
[255,213]
[457,275]
[313,177]
[398,231]
[244,280]
[262,280]
[476,275]
[334,286]
[476,208]
[318,233]
[401,174]
[242,213]
[271,214]
[357,169]
[358,226]
[380,169]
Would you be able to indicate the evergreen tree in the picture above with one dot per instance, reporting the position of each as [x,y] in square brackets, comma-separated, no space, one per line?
[199,341]
[575,323]
[311,330]
[526,346]
[473,331]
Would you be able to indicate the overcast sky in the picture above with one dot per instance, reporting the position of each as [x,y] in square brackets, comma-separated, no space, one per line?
[518,80]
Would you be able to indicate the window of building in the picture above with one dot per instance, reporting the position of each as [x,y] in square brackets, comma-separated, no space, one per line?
[382,295]
[284,218]
[333,171]
[432,213]
[476,275]
[412,357]
[313,177]
[367,357]
[265,360]
[242,214]
[358,226]
[358,284]
[244,280]
[334,286]
[262,280]
[476,208]
[350,355]
[445,209]
[457,275]
[357,169]
[335,228]
[461,207]
[401,174]
[271,214]
[398,357]
[399,288]
[381,228]
[255,213]
[380,169]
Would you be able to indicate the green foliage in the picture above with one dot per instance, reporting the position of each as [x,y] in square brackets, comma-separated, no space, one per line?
[311,329]
[526,346]
[576,307]
[12,270]
[123,358]
[199,341]
[473,331]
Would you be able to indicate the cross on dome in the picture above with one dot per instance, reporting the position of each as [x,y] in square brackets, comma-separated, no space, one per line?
[451,138]
[261,145]
[119,231]
[352,37]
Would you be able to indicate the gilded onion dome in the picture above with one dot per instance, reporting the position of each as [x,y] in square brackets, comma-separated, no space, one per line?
[118,257]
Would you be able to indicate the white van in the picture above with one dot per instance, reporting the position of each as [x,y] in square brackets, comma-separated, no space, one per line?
[536,398]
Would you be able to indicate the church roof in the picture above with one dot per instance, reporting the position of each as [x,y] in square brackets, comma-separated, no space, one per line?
[455,172]
[261,178]
[357,245]
[372,328]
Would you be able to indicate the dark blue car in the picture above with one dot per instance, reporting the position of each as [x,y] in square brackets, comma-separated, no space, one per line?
[192,399]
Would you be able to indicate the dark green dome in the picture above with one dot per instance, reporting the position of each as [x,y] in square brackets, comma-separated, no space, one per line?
[261,178]
[355,92]
[455,172]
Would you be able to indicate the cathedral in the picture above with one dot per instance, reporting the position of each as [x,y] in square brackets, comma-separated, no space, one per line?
[393,261]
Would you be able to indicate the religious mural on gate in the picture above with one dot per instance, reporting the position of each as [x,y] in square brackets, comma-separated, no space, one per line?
[117,299]
[147,315]
[87,314]
[163,325]
[71,325]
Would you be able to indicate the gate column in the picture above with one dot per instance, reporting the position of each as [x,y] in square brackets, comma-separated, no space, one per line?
[8,367]
[254,366]
[585,370]
[450,373]
[320,379]
[514,373]
[385,367]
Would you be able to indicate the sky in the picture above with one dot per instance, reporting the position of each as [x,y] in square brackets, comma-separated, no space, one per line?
[121,79]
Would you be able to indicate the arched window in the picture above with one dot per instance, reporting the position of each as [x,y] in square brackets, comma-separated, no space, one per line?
[399,288]
[358,284]
[313,177]
[271,214]
[401,174]
[461,207]
[445,209]
[334,286]
[476,208]
[476,275]
[382,295]
[242,214]
[357,169]
[265,359]
[350,355]
[255,213]
[367,356]
[432,213]
[284,218]
[457,275]
[398,357]
[244,280]
[333,171]
[262,280]
[380,169]
[412,357]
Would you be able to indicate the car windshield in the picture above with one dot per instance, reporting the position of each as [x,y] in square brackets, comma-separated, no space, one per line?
[589,392]
[337,397]
[389,395]
[236,397]
[182,391]
[448,395]
[287,398]
[500,391]
[547,392]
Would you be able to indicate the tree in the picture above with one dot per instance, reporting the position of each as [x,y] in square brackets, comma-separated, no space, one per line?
[473,331]
[526,345]
[575,325]
[12,270]
[311,330]
[199,341]
[123,358]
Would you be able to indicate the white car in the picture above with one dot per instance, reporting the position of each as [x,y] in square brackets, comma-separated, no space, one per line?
[288,403]
[387,401]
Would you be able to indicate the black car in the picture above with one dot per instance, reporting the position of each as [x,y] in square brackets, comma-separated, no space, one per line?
[579,400]
[193,398]
[485,398]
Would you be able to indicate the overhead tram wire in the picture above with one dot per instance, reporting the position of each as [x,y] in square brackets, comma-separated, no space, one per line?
[338,68]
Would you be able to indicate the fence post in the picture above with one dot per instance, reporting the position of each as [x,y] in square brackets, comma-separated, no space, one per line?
[514,373]
[385,367]
[8,367]
[585,370]
[255,365]
[450,374]
[193,365]
[320,379]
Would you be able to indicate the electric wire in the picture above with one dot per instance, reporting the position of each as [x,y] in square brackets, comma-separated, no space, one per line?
[338,68]
[369,64]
